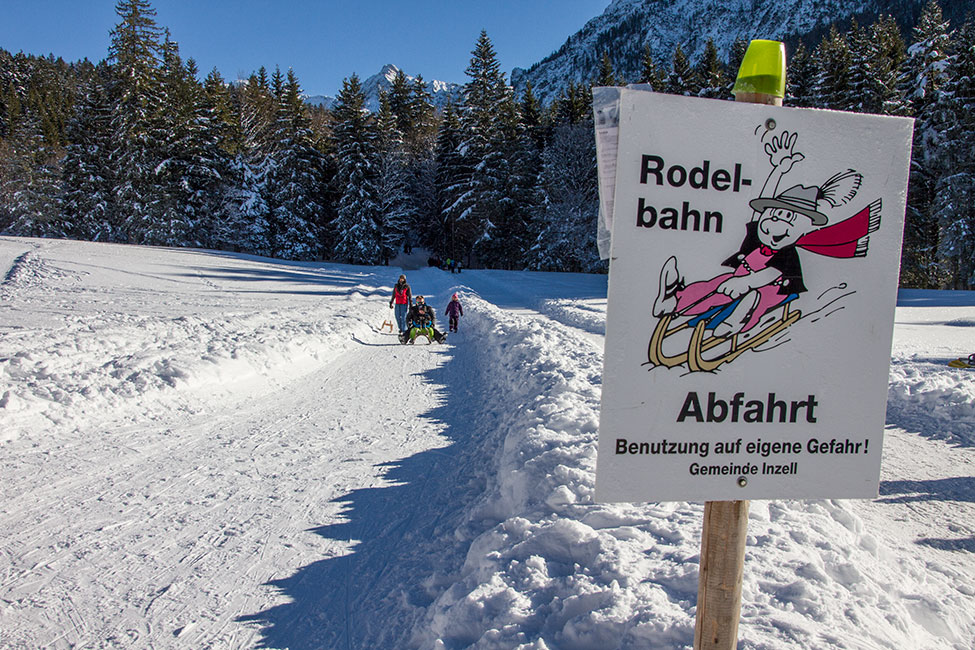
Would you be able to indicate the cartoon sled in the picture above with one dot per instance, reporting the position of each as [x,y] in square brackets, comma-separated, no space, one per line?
[705,350]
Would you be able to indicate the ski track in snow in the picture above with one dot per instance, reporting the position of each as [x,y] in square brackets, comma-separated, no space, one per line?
[202,450]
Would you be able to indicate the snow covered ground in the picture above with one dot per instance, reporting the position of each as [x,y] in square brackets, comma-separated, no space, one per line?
[206,450]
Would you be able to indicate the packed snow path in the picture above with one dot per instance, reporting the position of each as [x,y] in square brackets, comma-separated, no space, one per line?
[172,531]
[208,450]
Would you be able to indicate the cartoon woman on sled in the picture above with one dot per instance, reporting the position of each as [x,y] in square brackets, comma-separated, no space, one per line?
[727,314]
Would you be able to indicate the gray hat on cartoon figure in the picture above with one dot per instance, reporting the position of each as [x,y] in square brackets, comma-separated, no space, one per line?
[799,198]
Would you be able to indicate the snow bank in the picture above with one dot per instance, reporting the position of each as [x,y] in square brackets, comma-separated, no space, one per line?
[934,398]
[559,571]
[576,313]
[99,367]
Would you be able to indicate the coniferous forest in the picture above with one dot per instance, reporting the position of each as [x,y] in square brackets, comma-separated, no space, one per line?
[142,148]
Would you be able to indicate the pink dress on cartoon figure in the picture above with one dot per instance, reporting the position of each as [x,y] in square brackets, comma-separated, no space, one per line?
[699,297]
[753,256]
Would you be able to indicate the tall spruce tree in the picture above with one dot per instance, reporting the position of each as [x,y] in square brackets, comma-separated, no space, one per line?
[396,207]
[89,180]
[245,214]
[649,72]
[511,193]
[925,77]
[30,182]
[358,224]
[680,78]
[955,189]
[531,117]
[860,70]
[296,179]
[219,101]
[800,80]
[412,112]
[489,138]
[605,75]
[711,77]
[414,120]
[193,165]
[451,182]
[134,56]
[564,222]
[886,53]
[832,87]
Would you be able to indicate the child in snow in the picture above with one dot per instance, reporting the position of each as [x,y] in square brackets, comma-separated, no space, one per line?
[403,298]
[453,312]
[422,317]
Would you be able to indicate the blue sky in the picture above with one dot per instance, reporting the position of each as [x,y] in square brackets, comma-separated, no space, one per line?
[322,41]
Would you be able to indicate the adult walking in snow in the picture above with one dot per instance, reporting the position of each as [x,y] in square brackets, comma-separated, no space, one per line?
[453,312]
[402,298]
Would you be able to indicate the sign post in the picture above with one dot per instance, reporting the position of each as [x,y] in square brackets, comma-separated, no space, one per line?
[761,80]
[753,279]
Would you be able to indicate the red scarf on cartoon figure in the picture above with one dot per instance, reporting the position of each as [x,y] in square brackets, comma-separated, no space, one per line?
[847,238]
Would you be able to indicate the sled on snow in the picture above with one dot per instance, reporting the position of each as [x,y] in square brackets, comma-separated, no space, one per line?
[427,332]
[963,362]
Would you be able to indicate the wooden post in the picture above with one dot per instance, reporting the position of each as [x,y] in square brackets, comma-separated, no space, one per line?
[722,569]
[726,522]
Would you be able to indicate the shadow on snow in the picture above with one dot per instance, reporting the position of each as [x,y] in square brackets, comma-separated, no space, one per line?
[328,280]
[401,534]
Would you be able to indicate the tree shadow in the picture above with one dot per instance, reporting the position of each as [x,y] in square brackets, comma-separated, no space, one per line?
[962,544]
[931,424]
[332,283]
[407,537]
[956,489]
[960,488]
[934,298]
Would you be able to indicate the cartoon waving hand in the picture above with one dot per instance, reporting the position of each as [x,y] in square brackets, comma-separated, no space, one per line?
[780,152]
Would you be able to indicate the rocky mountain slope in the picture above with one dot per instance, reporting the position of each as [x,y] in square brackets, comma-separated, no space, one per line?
[627,26]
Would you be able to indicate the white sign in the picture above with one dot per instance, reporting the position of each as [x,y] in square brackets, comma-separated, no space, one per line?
[753,280]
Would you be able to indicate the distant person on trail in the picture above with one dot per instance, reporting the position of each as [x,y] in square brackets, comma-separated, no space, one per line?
[453,312]
[402,298]
[420,321]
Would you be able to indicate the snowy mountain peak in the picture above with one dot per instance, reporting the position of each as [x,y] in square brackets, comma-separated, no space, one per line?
[389,72]
[382,81]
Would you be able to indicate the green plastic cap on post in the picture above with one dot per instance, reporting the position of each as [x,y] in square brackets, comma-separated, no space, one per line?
[762,70]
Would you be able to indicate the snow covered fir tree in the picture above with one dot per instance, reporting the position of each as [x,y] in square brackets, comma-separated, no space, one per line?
[139,149]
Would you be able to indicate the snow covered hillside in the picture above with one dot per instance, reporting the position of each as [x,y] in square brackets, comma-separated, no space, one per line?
[208,450]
